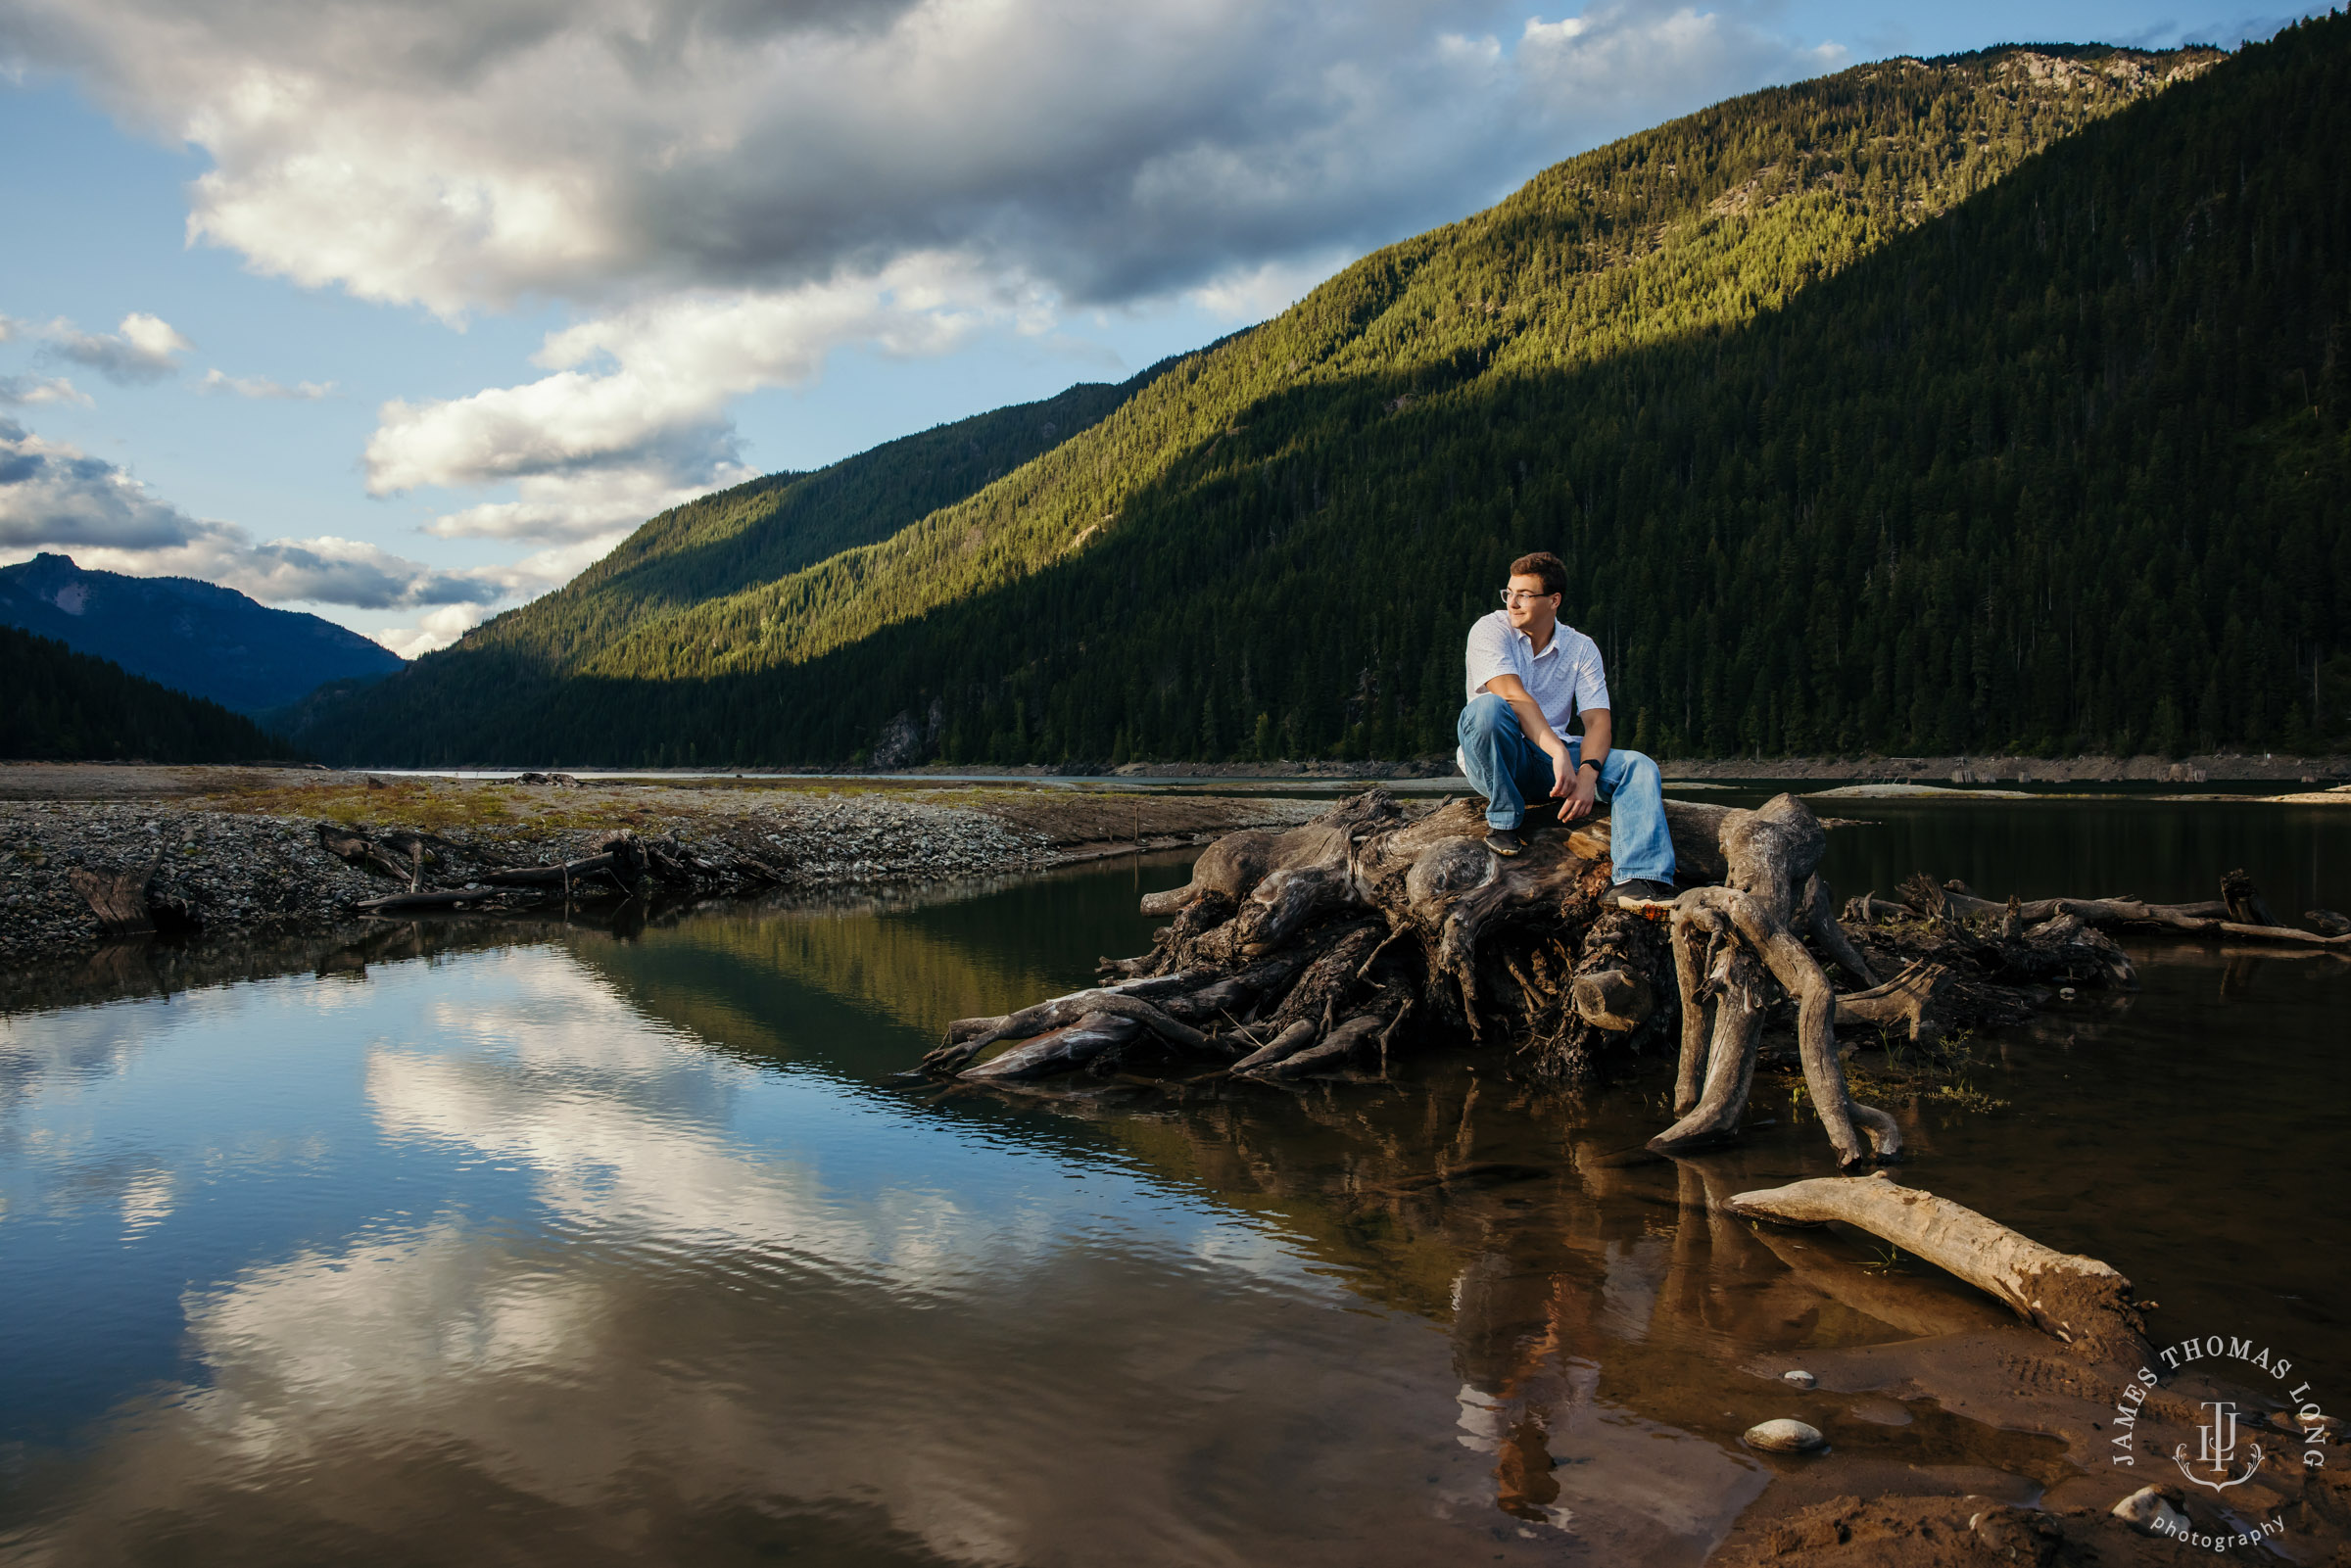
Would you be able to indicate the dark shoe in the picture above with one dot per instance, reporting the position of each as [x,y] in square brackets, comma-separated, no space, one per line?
[1642,892]
[1505,840]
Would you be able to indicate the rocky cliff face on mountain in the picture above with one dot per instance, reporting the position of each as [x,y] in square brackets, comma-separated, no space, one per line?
[194,637]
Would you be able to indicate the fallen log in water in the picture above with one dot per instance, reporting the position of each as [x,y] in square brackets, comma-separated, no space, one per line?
[1072,1045]
[2081,1301]
[2241,911]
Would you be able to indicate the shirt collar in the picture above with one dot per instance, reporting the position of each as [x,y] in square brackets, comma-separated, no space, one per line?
[1549,649]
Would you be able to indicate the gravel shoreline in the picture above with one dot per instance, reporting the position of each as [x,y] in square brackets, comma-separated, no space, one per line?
[250,868]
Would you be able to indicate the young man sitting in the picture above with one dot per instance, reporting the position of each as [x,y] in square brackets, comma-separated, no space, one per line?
[1529,677]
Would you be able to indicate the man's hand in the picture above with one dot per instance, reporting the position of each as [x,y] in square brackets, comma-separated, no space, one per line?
[1562,779]
[1578,795]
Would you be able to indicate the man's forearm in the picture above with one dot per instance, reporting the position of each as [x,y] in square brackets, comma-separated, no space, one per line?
[1600,730]
[1529,714]
[1537,727]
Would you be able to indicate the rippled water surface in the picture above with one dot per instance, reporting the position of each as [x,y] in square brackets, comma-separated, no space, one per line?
[525,1244]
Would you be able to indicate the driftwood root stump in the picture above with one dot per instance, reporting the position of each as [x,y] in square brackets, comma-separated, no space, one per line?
[1382,929]
[1377,928]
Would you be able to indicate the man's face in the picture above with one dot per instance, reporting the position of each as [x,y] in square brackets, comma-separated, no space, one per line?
[1532,611]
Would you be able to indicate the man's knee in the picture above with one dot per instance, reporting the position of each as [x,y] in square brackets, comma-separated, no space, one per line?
[1639,773]
[1486,715]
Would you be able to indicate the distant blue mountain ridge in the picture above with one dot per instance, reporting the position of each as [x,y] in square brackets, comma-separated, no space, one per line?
[194,637]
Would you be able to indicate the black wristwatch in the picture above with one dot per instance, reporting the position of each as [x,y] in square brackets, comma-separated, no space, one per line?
[1594,766]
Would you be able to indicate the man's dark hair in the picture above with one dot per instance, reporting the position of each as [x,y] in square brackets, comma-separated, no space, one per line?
[1543,564]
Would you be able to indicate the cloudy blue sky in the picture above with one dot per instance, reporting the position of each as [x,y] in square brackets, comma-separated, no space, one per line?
[403,311]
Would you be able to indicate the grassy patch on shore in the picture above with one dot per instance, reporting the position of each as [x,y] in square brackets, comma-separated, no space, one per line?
[537,811]
[433,805]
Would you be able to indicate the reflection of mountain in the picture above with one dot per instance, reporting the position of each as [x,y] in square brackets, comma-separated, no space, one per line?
[789,985]
[811,984]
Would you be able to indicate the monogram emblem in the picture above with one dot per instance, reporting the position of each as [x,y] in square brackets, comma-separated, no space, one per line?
[2216,1450]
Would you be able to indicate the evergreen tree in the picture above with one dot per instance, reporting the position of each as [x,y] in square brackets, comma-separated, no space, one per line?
[73,707]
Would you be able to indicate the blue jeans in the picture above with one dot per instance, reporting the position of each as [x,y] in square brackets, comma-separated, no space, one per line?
[1509,768]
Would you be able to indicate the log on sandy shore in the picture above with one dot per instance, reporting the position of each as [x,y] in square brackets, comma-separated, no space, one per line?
[2081,1301]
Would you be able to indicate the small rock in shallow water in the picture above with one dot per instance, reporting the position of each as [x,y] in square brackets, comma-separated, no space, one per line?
[1784,1436]
[2298,1423]
[1802,1380]
[2150,1510]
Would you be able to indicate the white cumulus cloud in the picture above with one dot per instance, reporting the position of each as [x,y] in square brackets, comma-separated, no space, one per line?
[467,157]
[262,387]
[32,391]
[726,191]
[55,497]
[633,419]
[579,508]
[434,631]
[144,348]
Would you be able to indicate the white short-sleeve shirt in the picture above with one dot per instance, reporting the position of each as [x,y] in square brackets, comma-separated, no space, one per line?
[1565,679]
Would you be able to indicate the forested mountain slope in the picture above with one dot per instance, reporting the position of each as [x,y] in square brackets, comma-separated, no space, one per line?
[75,707]
[771,527]
[1979,402]
[194,637]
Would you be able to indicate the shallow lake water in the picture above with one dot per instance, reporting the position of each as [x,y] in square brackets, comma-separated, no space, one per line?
[531,1244]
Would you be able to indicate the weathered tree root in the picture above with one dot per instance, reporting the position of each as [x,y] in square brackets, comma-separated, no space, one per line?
[968,1037]
[1725,938]
[1320,951]
[1912,999]
[2079,1300]
[1310,953]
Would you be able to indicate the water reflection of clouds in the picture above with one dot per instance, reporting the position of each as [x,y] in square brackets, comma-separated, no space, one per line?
[646,1281]
[630,1175]
[687,1205]
[349,1337]
[631,1136]
[50,1053]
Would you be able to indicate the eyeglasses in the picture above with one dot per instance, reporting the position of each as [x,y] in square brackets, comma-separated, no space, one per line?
[1512,598]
